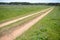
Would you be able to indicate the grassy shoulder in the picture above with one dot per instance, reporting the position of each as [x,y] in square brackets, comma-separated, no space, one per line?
[46,29]
[10,12]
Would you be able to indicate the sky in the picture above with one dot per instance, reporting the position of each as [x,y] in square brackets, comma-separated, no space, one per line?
[33,1]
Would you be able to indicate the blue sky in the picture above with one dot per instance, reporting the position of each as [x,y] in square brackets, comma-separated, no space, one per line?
[32,1]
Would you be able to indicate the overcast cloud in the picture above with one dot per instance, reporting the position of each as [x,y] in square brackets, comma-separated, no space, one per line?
[32,1]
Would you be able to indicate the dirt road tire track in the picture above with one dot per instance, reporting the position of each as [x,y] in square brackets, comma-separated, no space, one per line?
[15,20]
[24,27]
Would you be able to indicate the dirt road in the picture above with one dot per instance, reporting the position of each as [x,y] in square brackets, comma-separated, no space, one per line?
[18,31]
[15,20]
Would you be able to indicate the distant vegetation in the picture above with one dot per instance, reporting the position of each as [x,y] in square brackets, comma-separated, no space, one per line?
[27,3]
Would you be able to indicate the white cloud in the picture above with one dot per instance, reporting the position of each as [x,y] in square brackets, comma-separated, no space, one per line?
[30,1]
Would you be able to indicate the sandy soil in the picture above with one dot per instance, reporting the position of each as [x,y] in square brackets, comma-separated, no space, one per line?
[19,31]
[15,20]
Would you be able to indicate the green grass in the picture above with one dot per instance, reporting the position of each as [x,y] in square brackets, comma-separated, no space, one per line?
[8,12]
[46,29]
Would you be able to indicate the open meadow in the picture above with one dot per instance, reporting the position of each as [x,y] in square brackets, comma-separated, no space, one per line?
[9,12]
[46,29]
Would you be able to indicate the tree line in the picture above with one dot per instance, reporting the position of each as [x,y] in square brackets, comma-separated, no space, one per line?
[27,3]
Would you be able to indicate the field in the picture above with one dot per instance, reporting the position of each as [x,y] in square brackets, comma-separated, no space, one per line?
[15,11]
[9,12]
[46,29]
